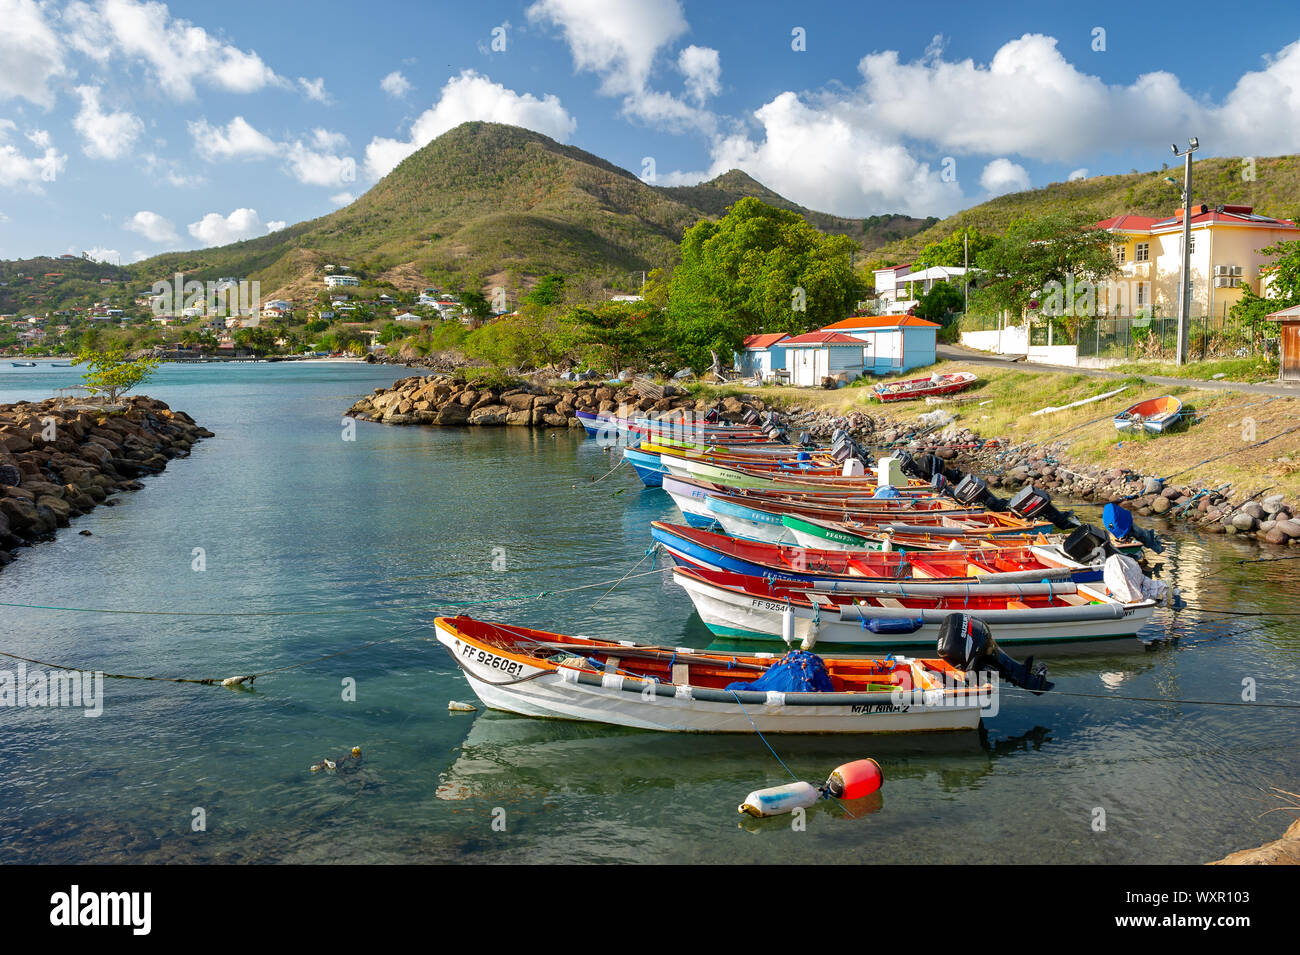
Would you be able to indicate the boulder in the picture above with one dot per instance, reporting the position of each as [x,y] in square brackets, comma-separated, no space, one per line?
[1243,521]
[453,413]
[1272,504]
[1161,504]
[519,417]
[489,415]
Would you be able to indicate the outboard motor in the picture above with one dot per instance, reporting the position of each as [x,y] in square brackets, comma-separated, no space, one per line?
[750,417]
[1088,544]
[928,465]
[973,491]
[1119,521]
[843,449]
[779,436]
[1032,504]
[941,484]
[712,416]
[806,439]
[966,643]
[909,465]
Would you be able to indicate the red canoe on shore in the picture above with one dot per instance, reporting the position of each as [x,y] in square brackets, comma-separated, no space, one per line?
[923,387]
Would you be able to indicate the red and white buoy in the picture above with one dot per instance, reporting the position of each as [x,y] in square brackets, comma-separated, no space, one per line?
[862,777]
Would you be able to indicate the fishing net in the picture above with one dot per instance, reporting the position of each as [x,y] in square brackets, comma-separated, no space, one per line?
[799,671]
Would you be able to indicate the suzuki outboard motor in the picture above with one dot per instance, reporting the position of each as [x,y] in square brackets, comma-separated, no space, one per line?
[1119,521]
[973,491]
[929,465]
[1033,505]
[965,642]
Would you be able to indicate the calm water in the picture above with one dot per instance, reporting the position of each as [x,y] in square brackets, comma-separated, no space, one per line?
[362,540]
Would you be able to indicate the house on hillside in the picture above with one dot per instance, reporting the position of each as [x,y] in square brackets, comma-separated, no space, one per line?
[1225,258]
[817,355]
[338,280]
[761,356]
[890,287]
[891,344]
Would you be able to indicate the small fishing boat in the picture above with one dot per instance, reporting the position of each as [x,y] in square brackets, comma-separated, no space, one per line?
[693,547]
[745,607]
[1155,415]
[936,384]
[678,689]
[24,364]
[60,364]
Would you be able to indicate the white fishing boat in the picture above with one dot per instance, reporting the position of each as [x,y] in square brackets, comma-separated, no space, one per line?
[739,606]
[542,674]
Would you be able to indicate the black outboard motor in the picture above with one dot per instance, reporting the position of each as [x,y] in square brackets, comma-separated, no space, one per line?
[712,416]
[973,491]
[1088,544]
[965,642]
[1032,504]
[750,417]
[806,439]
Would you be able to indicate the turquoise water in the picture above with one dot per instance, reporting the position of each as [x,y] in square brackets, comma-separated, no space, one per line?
[362,539]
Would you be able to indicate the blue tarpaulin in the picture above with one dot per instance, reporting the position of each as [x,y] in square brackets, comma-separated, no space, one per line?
[799,671]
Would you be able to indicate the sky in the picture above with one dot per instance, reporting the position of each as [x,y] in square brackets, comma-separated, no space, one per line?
[131,128]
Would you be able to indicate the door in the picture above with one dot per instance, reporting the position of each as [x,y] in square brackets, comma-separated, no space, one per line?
[1291,351]
[869,352]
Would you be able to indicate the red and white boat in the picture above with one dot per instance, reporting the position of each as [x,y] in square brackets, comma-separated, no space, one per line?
[923,387]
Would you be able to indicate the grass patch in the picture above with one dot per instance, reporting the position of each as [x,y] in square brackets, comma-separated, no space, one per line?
[1259,368]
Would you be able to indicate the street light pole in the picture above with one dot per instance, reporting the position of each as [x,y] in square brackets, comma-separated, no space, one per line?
[1185,277]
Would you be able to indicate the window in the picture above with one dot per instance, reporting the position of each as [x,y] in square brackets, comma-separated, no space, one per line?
[1191,246]
[1142,293]
[1142,252]
[1121,254]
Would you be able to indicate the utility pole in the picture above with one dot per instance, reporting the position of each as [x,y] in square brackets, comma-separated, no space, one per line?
[1185,278]
[965,254]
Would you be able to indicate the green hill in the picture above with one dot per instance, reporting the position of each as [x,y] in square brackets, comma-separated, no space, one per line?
[488,204]
[1274,191]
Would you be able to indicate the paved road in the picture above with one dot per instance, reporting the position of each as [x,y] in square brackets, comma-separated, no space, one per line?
[970,356]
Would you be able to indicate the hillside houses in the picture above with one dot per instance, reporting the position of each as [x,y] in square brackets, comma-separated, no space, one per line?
[844,351]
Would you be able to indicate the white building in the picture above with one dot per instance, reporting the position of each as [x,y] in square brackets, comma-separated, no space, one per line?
[336,281]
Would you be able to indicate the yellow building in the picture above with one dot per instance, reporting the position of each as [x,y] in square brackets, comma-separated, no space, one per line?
[1225,258]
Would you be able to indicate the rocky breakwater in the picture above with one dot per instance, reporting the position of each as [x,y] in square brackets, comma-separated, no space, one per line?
[446,400]
[61,457]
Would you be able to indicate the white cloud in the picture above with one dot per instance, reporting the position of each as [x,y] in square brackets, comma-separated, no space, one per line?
[395,84]
[703,71]
[316,168]
[471,96]
[30,52]
[170,171]
[177,53]
[617,41]
[101,254]
[104,135]
[314,89]
[827,157]
[236,140]
[1078,174]
[17,169]
[620,43]
[1002,176]
[216,229]
[152,226]
[275,225]
[342,198]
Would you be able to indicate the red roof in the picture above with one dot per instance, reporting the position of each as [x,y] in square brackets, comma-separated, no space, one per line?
[893,268]
[824,337]
[883,321]
[1127,223]
[763,341]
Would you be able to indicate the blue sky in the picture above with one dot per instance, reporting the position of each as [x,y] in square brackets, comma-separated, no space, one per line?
[130,128]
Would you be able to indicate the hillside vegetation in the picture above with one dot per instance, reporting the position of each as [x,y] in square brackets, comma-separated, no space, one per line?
[1274,191]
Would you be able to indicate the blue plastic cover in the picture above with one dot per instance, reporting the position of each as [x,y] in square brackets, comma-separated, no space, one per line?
[799,671]
[886,491]
[1117,519]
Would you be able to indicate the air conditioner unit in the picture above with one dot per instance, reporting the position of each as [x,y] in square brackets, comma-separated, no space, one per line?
[1236,270]
[1222,282]
[1223,270]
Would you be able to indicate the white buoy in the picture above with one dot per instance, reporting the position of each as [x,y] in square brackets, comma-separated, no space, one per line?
[810,641]
[461,707]
[780,799]
[787,625]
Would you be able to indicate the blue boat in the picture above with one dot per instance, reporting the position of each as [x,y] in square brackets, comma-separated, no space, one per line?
[647,467]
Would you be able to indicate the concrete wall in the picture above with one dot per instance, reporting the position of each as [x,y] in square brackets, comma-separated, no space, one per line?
[1013,340]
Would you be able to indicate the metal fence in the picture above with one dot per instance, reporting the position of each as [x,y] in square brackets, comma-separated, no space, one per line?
[1135,338]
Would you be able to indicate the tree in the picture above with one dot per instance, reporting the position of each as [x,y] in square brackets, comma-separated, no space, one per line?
[1285,286]
[758,268]
[936,304]
[1038,255]
[549,291]
[112,373]
[951,251]
[617,334]
[474,303]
